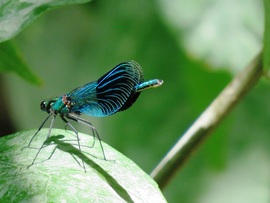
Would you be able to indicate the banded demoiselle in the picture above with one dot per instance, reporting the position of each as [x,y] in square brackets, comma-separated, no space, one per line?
[115,91]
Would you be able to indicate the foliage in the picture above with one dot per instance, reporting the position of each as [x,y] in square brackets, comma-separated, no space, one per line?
[58,175]
[11,61]
[195,47]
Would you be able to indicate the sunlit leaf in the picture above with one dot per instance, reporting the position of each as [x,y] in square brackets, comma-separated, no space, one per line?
[58,175]
[223,33]
[15,15]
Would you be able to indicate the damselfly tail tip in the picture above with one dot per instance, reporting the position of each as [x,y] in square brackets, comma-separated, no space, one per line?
[160,82]
[157,83]
[149,84]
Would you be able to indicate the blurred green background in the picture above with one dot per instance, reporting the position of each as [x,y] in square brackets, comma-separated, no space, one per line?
[196,47]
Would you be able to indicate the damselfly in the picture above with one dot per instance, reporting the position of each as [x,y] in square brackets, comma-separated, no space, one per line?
[115,91]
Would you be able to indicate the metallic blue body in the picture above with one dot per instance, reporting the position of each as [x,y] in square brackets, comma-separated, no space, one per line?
[115,91]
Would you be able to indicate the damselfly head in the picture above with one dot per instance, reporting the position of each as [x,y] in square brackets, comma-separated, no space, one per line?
[46,106]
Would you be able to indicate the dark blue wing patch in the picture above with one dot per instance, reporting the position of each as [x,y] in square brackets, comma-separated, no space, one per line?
[113,92]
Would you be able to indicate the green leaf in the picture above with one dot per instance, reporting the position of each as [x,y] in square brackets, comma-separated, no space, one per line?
[266,37]
[10,60]
[58,175]
[15,15]
[223,33]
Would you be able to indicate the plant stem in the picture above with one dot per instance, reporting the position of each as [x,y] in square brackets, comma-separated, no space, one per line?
[207,122]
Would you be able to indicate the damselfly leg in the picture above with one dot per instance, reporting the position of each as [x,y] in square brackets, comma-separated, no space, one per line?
[94,131]
[43,144]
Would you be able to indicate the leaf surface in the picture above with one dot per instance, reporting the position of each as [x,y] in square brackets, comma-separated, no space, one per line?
[58,175]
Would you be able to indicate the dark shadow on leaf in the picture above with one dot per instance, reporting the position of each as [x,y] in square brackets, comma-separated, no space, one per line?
[77,154]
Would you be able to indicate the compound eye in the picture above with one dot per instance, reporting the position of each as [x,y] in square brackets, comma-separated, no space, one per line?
[43,106]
